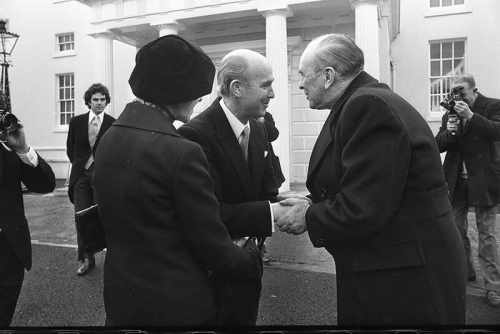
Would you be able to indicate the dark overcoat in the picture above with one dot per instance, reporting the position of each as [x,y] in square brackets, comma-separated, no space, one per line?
[78,146]
[478,144]
[244,190]
[13,222]
[162,225]
[381,208]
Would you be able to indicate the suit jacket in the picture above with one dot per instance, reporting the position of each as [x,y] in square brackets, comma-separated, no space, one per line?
[78,146]
[478,144]
[13,222]
[243,189]
[380,207]
[162,224]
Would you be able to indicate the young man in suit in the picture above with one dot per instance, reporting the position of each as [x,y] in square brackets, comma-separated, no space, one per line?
[84,134]
[237,149]
[472,170]
[379,200]
[18,163]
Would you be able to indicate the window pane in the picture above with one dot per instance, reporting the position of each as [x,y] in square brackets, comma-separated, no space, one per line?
[446,3]
[61,105]
[458,65]
[72,93]
[459,48]
[434,3]
[72,107]
[61,94]
[447,49]
[459,2]
[66,80]
[61,81]
[435,86]
[67,94]
[447,67]
[435,51]
[435,68]
[72,81]
[71,46]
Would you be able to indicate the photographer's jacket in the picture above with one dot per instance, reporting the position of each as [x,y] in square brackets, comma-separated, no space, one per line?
[478,144]
[13,223]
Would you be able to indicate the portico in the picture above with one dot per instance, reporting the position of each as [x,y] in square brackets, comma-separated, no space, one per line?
[280,29]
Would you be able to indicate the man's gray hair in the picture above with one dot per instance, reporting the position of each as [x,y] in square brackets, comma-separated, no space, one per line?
[232,67]
[340,52]
[466,77]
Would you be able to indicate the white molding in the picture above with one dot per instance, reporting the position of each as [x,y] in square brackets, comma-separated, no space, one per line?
[49,148]
[449,10]
[217,50]
[63,54]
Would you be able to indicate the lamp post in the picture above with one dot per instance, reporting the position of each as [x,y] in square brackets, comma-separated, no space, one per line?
[8,41]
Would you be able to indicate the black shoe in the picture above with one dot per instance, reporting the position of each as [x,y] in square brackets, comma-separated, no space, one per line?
[87,265]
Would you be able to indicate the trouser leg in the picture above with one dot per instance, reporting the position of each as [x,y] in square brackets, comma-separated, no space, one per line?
[488,249]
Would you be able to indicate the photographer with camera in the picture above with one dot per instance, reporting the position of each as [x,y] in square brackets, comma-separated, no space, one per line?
[470,134]
[18,163]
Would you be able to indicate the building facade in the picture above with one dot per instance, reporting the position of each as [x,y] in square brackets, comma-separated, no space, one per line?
[415,46]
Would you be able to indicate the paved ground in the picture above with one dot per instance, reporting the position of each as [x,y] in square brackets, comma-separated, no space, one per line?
[299,284]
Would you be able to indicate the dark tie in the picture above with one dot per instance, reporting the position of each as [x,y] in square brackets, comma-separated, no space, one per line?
[245,134]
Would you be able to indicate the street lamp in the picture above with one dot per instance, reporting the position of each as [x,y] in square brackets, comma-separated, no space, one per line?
[8,41]
[8,122]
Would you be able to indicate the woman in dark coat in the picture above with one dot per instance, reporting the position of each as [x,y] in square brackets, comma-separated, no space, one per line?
[156,199]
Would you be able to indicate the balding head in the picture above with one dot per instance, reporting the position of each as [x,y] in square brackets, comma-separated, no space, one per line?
[244,81]
[338,51]
[239,65]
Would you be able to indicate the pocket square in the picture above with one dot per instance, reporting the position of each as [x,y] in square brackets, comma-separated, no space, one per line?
[265,154]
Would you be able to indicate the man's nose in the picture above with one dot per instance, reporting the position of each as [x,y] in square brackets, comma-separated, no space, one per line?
[271,93]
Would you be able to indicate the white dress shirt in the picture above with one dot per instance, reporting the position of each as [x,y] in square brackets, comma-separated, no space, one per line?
[100,117]
[237,128]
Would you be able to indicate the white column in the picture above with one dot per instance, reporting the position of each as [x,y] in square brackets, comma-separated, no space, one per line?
[168,28]
[107,67]
[277,54]
[368,34]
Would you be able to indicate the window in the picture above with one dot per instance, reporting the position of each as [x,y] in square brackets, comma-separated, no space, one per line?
[445,3]
[65,97]
[447,60]
[65,42]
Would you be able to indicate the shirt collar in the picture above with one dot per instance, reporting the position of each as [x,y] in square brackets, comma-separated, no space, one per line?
[92,114]
[234,122]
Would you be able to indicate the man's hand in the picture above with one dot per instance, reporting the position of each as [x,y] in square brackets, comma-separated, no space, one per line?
[278,210]
[294,220]
[463,110]
[16,140]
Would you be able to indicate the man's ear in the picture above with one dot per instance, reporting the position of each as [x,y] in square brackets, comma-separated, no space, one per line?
[329,75]
[235,88]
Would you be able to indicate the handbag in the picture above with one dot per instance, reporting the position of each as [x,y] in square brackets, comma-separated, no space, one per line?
[90,229]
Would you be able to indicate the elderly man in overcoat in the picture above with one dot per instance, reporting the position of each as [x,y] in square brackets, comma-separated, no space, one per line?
[379,201]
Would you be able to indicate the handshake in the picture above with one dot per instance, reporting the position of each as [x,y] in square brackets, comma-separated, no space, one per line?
[290,213]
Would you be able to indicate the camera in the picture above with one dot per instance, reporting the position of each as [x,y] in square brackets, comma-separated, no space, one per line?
[9,123]
[456,94]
